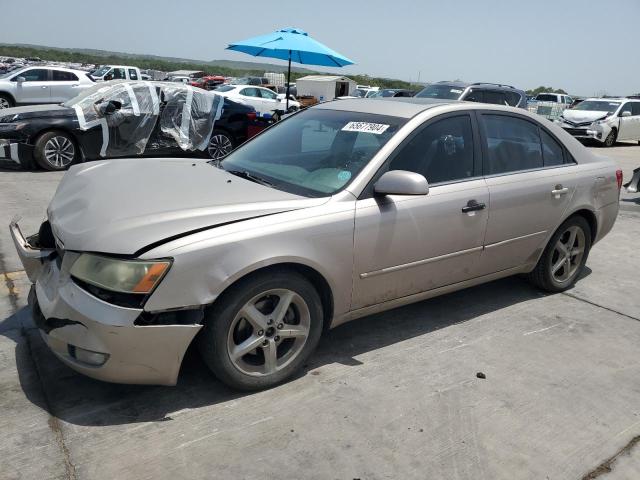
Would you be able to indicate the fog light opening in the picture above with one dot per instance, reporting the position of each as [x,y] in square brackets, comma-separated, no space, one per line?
[95,359]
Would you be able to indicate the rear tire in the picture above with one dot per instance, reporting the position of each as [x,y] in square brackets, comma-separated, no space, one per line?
[249,342]
[6,101]
[564,256]
[221,144]
[55,151]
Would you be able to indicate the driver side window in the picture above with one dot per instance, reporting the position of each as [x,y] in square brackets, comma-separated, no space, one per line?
[441,152]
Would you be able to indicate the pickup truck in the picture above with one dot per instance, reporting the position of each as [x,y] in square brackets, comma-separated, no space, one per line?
[116,72]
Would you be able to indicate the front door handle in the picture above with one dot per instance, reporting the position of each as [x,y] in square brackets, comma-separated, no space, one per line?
[44,86]
[472,206]
[559,190]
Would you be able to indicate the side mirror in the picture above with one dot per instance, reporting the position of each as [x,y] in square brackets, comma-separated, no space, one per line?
[21,79]
[108,108]
[626,113]
[401,182]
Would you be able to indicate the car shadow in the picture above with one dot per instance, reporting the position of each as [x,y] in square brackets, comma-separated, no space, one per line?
[80,400]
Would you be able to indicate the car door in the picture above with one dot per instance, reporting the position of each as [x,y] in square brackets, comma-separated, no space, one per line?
[64,86]
[629,123]
[270,100]
[36,87]
[251,96]
[531,180]
[409,244]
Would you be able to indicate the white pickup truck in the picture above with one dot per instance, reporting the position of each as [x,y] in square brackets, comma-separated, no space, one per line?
[116,72]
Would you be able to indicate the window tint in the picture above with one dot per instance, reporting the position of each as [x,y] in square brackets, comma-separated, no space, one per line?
[475,96]
[513,144]
[547,97]
[497,98]
[34,75]
[60,76]
[442,152]
[118,73]
[513,98]
[551,150]
[250,92]
[635,108]
[133,75]
[267,94]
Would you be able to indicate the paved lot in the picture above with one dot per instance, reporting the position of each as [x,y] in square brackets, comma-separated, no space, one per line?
[394,395]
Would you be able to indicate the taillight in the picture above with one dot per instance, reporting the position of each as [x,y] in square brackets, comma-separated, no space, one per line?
[619,178]
[251,115]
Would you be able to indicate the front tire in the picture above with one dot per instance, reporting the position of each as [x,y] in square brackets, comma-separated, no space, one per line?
[564,256]
[55,151]
[6,101]
[261,331]
[610,141]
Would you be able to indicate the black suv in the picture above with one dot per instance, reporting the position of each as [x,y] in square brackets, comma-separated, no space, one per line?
[476,92]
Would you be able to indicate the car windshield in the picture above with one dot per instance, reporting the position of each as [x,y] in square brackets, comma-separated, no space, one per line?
[445,92]
[87,92]
[12,72]
[314,153]
[101,71]
[597,106]
[546,97]
[225,88]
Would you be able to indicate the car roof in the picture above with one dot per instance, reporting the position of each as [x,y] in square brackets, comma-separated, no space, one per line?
[406,107]
[608,99]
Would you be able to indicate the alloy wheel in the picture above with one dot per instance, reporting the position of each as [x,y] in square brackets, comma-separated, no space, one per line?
[219,146]
[268,332]
[59,151]
[568,251]
[4,103]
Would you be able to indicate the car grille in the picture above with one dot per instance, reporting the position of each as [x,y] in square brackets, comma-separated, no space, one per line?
[578,124]
[577,131]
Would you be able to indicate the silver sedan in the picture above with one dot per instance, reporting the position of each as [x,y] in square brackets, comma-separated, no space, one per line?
[342,210]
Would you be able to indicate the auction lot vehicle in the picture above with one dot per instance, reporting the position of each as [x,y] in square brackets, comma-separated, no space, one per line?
[339,211]
[392,93]
[606,120]
[116,72]
[262,99]
[554,98]
[480,92]
[124,119]
[37,85]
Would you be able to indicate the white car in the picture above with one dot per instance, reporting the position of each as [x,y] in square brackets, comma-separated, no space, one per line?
[554,98]
[116,72]
[606,120]
[41,84]
[262,99]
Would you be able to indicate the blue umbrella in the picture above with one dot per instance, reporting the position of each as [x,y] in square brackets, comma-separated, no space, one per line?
[291,44]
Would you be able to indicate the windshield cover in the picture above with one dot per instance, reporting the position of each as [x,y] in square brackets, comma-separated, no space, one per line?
[314,153]
[597,106]
[445,92]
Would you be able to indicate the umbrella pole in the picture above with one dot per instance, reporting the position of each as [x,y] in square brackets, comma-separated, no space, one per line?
[288,83]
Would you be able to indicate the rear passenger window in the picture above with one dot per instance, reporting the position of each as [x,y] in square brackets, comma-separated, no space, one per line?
[442,151]
[551,150]
[60,76]
[133,75]
[475,96]
[512,98]
[635,108]
[513,144]
[497,98]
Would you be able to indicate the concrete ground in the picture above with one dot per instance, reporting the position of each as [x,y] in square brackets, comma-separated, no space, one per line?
[394,395]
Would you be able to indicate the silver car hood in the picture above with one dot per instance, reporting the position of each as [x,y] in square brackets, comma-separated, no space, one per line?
[579,116]
[123,206]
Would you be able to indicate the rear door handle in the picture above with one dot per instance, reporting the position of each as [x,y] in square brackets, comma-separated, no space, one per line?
[44,86]
[472,206]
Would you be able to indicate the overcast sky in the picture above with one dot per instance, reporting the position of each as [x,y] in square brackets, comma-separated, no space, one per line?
[583,46]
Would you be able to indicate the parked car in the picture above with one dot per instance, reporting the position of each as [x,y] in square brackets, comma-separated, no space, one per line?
[392,93]
[116,72]
[264,100]
[605,120]
[480,92]
[342,210]
[104,122]
[38,85]
[554,98]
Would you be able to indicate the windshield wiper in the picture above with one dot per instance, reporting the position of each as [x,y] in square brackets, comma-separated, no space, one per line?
[250,176]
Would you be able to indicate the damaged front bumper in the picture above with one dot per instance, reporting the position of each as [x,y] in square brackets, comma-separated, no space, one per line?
[19,153]
[94,337]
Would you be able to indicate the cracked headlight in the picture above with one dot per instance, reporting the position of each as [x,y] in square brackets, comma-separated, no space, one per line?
[116,275]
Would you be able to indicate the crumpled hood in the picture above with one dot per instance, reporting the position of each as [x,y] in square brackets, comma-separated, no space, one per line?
[579,116]
[34,111]
[122,206]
